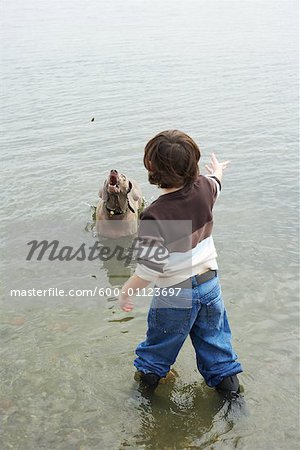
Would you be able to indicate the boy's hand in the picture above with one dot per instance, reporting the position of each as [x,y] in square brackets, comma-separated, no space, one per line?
[215,167]
[132,285]
[125,302]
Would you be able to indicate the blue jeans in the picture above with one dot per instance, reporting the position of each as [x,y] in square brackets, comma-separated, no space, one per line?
[198,312]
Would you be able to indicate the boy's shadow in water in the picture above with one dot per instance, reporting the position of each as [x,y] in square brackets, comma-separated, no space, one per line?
[184,416]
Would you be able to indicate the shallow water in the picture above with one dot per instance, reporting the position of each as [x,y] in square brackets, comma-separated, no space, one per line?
[226,73]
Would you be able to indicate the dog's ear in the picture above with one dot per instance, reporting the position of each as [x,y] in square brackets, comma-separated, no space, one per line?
[103,192]
[133,192]
[133,196]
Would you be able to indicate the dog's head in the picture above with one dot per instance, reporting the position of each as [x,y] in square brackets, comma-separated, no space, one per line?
[118,194]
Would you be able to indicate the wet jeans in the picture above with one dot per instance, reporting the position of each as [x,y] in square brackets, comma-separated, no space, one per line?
[198,312]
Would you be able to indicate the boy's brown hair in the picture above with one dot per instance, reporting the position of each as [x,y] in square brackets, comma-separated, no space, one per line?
[171,158]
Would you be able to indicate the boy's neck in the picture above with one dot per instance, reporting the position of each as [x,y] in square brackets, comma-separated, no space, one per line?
[168,190]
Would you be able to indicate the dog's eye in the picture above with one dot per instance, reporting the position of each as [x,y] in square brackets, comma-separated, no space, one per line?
[123,176]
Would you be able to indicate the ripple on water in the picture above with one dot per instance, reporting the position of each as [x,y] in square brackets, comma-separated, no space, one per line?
[227,76]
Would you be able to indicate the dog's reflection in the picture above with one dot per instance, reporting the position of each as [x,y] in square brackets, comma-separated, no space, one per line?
[119,265]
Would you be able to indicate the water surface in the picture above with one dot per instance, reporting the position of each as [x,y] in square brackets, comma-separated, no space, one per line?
[225,72]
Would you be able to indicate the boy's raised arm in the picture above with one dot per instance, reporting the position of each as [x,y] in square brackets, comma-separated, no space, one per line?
[215,168]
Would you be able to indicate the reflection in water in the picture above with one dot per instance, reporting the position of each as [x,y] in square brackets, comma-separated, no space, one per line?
[184,416]
[120,266]
[229,79]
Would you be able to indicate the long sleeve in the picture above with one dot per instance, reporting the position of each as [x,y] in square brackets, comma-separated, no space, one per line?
[152,255]
[215,186]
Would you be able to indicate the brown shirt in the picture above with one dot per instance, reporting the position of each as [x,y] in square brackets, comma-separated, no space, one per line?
[179,224]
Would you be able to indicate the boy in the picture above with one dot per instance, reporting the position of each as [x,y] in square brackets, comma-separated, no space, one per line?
[181,259]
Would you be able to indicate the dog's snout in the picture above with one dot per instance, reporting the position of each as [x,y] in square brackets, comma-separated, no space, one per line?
[113,177]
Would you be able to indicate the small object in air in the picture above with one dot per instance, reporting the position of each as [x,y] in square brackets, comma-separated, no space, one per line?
[93,118]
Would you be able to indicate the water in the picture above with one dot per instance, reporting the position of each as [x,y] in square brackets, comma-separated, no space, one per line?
[226,73]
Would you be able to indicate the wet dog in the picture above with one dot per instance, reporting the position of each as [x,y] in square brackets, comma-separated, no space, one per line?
[118,207]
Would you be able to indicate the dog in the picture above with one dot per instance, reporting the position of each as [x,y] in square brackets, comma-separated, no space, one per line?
[118,207]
